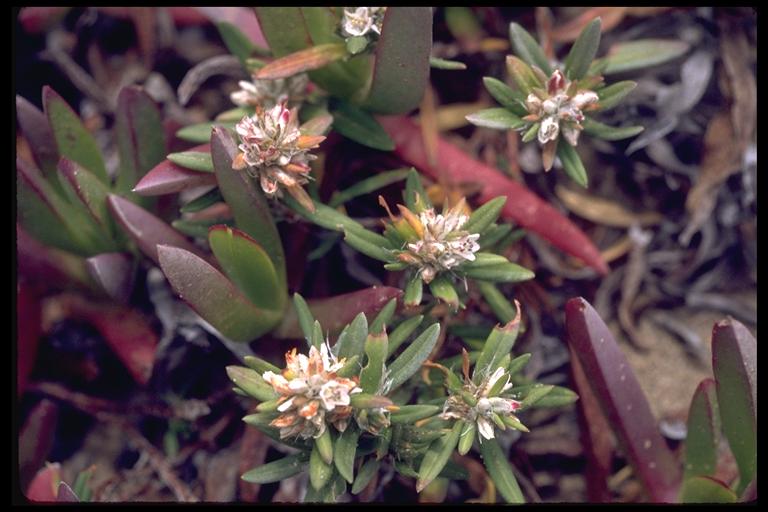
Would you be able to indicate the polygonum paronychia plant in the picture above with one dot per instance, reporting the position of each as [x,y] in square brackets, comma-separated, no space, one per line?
[552,104]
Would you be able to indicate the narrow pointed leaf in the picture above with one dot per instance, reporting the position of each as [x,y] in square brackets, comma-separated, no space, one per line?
[526,47]
[202,202]
[364,476]
[484,216]
[140,136]
[376,353]
[643,53]
[500,273]
[318,125]
[558,396]
[367,186]
[351,341]
[81,186]
[214,297]
[504,310]
[443,290]
[248,266]
[115,273]
[505,95]
[360,126]
[437,456]
[613,94]
[583,51]
[606,132]
[237,43]
[192,160]
[413,291]
[384,317]
[401,68]
[401,333]
[169,178]
[201,132]
[251,382]
[145,229]
[306,320]
[308,59]
[522,74]
[496,118]
[415,197]
[344,453]
[247,201]
[278,470]
[328,218]
[366,247]
[260,365]
[703,431]
[734,365]
[42,144]
[622,400]
[319,471]
[704,489]
[450,65]
[408,414]
[572,164]
[500,471]
[409,362]
[73,141]
[498,345]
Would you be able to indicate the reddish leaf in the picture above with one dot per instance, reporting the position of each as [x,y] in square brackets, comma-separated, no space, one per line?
[622,400]
[66,494]
[243,18]
[126,331]
[28,323]
[47,266]
[114,271]
[308,59]
[147,230]
[39,19]
[38,132]
[44,486]
[36,439]
[523,206]
[169,178]
[334,313]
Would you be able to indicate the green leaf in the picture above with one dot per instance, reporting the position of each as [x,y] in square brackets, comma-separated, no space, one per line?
[367,186]
[319,471]
[81,488]
[301,61]
[449,65]
[284,29]
[409,362]
[324,445]
[246,200]
[202,202]
[523,76]
[486,215]
[734,365]
[462,23]
[558,396]
[384,317]
[415,188]
[197,229]
[82,187]
[72,139]
[506,96]
[42,144]
[364,476]
[251,382]
[413,291]
[499,344]
[703,432]
[443,290]
[613,94]
[409,414]
[500,471]
[260,365]
[496,118]
[583,51]
[366,247]
[248,266]
[572,164]
[532,132]
[534,394]
[401,333]
[355,45]
[306,320]
[360,126]
[194,160]
[200,133]
[704,489]
[227,118]
[376,353]
[437,456]
[317,338]
[344,453]
[526,47]
[504,310]
[238,43]
[214,297]
[401,69]
[500,273]
[467,438]
[140,137]
[643,53]
[351,341]
[605,132]
[519,363]
[277,470]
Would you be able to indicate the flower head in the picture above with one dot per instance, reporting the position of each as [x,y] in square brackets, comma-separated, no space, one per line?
[359,21]
[268,93]
[311,394]
[437,242]
[274,150]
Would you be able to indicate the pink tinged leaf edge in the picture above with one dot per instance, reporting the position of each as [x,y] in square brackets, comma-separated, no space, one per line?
[114,272]
[622,400]
[37,131]
[169,178]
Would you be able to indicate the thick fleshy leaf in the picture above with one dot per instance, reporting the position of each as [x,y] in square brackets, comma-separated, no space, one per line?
[360,126]
[526,47]
[505,95]
[408,414]
[376,353]
[245,263]
[169,178]
[613,94]
[65,494]
[583,51]
[344,453]
[409,362]
[622,400]
[140,136]
[82,187]
[351,341]
[572,164]
[278,470]
[72,139]
[145,229]
[320,471]
[214,297]
[496,118]
[606,132]
[247,201]
[401,70]
[38,133]
[193,160]
[284,29]
[49,267]
[734,365]
[336,312]
[364,476]
[115,272]
[308,59]
[44,486]
[704,489]
[522,206]
[500,471]
[450,65]
[437,456]
[703,431]
[643,53]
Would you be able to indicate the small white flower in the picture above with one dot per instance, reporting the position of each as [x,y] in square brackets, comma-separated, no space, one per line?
[549,129]
[268,93]
[359,21]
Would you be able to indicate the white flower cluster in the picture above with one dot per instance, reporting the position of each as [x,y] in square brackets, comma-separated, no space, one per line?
[268,93]
[359,21]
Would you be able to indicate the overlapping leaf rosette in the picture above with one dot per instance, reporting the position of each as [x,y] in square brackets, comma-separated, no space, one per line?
[554,103]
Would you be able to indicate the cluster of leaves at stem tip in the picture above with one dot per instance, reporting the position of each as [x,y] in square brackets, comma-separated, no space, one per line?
[361,404]
[552,102]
